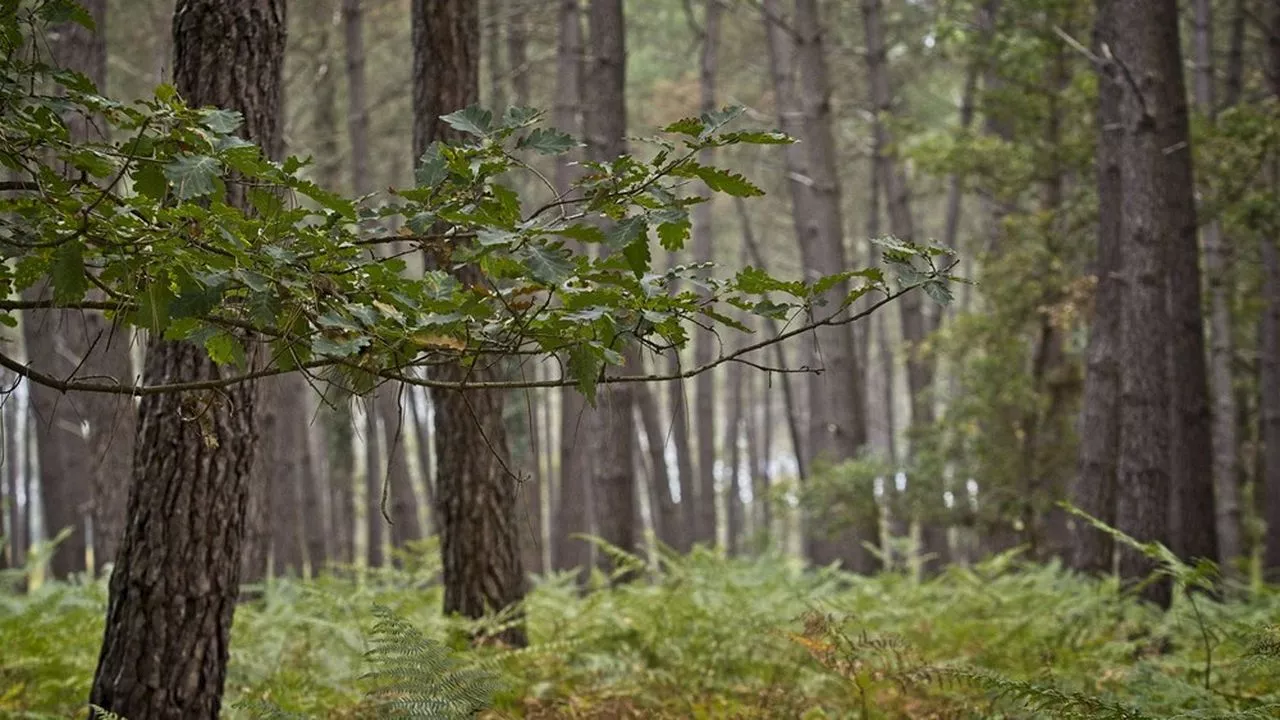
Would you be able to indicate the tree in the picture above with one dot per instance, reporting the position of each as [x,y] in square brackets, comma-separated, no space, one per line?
[704,425]
[476,490]
[164,653]
[1157,199]
[837,426]
[1269,353]
[613,480]
[1226,462]
[572,508]
[1094,487]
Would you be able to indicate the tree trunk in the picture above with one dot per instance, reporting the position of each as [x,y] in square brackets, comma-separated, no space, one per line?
[1226,462]
[317,532]
[476,491]
[517,52]
[374,478]
[174,588]
[666,514]
[57,341]
[1269,356]
[340,443]
[837,426]
[357,109]
[1157,199]
[678,406]
[405,525]
[15,431]
[572,516]
[420,402]
[733,461]
[1093,489]
[704,342]
[612,421]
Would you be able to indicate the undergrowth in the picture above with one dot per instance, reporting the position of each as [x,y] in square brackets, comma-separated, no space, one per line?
[703,636]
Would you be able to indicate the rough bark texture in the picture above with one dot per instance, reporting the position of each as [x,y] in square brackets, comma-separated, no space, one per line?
[613,431]
[277,470]
[678,407]
[1226,462]
[837,426]
[475,492]
[1153,114]
[357,108]
[374,475]
[572,509]
[704,342]
[174,588]
[13,470]
[734,514]
[340,443]
[1093,490]
[1269,355]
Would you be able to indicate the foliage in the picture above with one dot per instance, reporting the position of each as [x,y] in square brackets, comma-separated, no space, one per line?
[172,223]
[705,636]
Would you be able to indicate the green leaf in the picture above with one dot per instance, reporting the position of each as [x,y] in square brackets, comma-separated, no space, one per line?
[548,264]
[939,291]
[584,364]
[471,120]
[338,347]
[224,349]
[582,233]
[725,181]
[222,121]
[625,231]
[153,307]
[716,119]
[149,180]
[673,235]
[685,126]
[67,273]
[266,201]
[519,116]
[192,175]
[546,141]
[759,138]
[637,255]
[432,169]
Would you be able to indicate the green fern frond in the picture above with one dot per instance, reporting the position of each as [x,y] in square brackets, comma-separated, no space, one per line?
[413,676]
[1048,699]
[99,713]
[1265,646]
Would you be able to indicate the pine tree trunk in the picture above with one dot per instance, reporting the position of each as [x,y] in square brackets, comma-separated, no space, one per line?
[666,514]
[1093,489]
[678,406]
[374,488]
[613,429]
[572,516]
[340,443]
[1269,356]
[704,342]
[1226,461]
[174,588]
[476,491]
[15,432]
[837,426]
[733,462]
[405,525]
[1157,199]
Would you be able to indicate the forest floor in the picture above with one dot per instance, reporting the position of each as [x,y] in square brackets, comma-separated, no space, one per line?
[708,637]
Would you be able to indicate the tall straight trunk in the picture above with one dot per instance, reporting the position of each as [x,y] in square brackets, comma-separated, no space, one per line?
[751,406]
[317,532]
[374,478]
[357,108]
[1226,461]
[403,501]
[420,404]
[704,342]
[339,434]
[1157,204]
[837,426]
[493,53]
[475,492]
[666,514]
[1269,355]
[15,431]
[529,464]
[572,516]
[1193,518]
[1234,81]
[911,314]
[57,340]
[283,447]
[612,421]
[324,117]
[1093,488]
[518,51]
[733,461]
[174,588]
[678,406]
[112,426]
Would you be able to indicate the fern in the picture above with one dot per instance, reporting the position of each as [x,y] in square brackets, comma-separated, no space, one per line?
[416,677]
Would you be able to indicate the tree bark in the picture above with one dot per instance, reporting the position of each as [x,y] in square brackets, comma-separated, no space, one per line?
[374,477]
[733,462]
[57,341]
[704,341]
[666,514]
[15,432]
[405,525]
[1226,462]
[1269,356]
[174,588]
[1157,197]
[340,443]
[476,491]
[613,429]
[572,516]
[837,426]
[1093,489]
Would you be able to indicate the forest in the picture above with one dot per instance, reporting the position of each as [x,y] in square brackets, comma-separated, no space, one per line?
[659,359]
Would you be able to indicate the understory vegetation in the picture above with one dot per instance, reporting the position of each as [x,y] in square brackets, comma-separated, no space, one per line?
[703,636]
